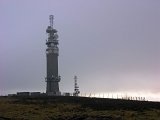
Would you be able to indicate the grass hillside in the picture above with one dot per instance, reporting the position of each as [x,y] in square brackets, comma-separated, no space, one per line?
[76,108]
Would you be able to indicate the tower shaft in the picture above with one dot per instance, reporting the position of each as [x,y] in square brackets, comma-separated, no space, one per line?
[52,53]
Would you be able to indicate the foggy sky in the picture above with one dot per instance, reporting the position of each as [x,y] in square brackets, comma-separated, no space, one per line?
[111,45]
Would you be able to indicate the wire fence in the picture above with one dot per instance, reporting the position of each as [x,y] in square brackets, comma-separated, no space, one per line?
[108,95]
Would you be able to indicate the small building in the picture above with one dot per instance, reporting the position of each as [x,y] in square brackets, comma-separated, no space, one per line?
[23,93]
[11,95]
[67,94]
[35,93]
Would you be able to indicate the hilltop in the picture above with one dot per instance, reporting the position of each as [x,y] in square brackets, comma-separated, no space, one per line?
[76,108]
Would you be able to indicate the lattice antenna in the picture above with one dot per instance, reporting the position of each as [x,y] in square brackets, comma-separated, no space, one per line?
[51,17]
[76,88]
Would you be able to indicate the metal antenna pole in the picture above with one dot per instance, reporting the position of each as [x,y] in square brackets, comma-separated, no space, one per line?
[51,17]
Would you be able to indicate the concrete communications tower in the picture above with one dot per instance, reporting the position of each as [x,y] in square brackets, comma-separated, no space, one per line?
[52,53]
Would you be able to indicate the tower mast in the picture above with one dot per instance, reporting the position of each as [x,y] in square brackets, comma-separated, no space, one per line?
[76,88]
[51,17]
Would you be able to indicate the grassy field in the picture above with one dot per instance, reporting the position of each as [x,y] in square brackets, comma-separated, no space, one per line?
[73,108]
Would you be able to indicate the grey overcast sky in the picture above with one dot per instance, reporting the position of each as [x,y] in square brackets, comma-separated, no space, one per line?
[111,45]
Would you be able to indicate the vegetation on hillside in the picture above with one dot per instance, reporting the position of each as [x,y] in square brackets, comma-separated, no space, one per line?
[72,108]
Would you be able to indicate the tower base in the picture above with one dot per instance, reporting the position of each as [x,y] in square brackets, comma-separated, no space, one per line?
[53,93]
